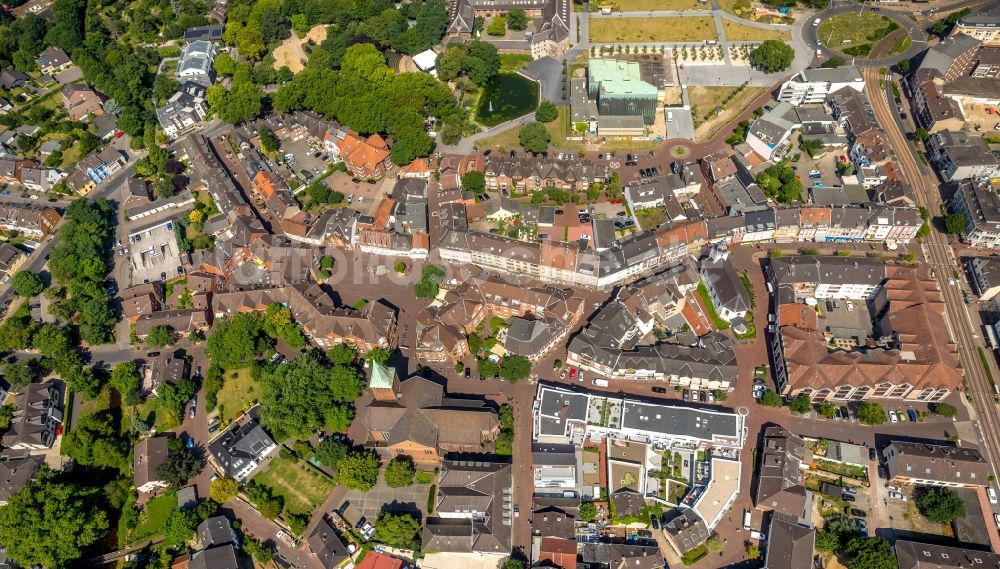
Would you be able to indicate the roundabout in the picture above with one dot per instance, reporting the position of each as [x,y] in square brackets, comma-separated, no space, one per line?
[859,33]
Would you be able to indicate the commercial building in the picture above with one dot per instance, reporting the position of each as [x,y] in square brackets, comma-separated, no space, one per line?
[958,156]
[982,24]
[784,459]
[980,205]
[933,110]
[619,89]
[571,416]
[890,342]
[814,85]
[935,465]
[555,468]
[550,29]
[952,58]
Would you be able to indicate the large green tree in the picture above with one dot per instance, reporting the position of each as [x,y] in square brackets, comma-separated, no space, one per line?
[51,523]
[871,413]
[397,530]
[399,472]
[358,470]
[27,283]
[179,467]
[534,137]
[941,505]
[772,56]
[126,381]
[94,441]
[870,553]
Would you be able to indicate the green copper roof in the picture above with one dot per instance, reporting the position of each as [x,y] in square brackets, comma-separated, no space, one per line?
[381,377]
[619,78]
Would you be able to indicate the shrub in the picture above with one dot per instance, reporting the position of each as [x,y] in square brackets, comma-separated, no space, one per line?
[695,555]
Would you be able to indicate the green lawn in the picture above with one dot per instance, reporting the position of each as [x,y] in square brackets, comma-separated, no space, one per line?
[742,32]
[99,403]
[636,30]
[511,62]
[851,30]
[238,392]
[303,486]
[153,413]
[717,320]
[152,519]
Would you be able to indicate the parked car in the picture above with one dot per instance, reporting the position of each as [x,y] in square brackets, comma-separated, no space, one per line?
[892,417]
[992,494]
[659,390]
[845,412]
[912,415]
[194,410]
[848,497]
[872,455]
[214,425]
[850,489]
[468,373]
[190,442]
[858,513]
[996,518]
[685,394]
[572,374]
[897,496]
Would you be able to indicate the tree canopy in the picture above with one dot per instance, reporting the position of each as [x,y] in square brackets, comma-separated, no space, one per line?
[358,470]
[772,56]
[126,381]
[779,182]
[801,404]
[296,397]
[27,283]
[871,413]
[397,530]
[870,553]
[955,223]
[224,489]
[399,472]
[51,523]
[534,137]
[178,467]
[94,441]
[941,505]
[547,111]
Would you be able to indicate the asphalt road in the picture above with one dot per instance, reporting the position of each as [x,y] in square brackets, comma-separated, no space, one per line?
[939,255]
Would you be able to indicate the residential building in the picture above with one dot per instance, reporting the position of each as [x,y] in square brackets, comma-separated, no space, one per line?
[81,101]
[619,556]
[241,447]
[569,416]
[52,61]
[725,287]
[658,192]
[784,459]
[5,106]
[366,158]
[326,544]
[94,169]
[555,516]
[987,64]
[953,57]
[216,531]
[11,259]
[914,555]
[17,470]
[30,220]
[473,512]
[526,173]
[555,468]
[196,62]
[179,321]
[11,78]
[38,412]
[985,273]
[814,85]
[376,560]
[211,33]
[222,557]
[168,367]
[907,353]
[685,531]
[424,423]
[789,545]
[932,109]
[935,465]
[982,24]
[148,455]
[551,28]
[769,135]
[980,205]
[325,323]
[958,156]
[184,110]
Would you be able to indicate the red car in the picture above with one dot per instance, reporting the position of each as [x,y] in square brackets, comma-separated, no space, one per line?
[572,374]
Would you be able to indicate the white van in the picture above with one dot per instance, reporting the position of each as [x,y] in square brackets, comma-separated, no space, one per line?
[746,519]
[816,22]
[670,116]
[601,382]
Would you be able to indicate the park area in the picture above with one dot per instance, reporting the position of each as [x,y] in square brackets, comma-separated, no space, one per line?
[302,486]
[741,32]
[706,103]
[292,54]
[506,96]
[855,34]
[644,30]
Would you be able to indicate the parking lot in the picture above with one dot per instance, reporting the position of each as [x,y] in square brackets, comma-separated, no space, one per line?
[305,156]
[365,196]
[409,499]
[153,253]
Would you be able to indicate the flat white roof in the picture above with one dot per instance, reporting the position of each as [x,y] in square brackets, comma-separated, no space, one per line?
[425,60]
[720,492]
